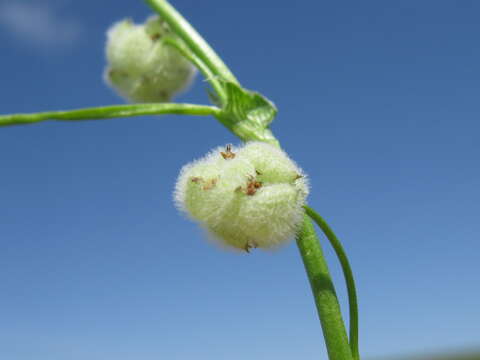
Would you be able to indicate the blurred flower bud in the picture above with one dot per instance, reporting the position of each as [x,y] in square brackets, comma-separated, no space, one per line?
[141,68]
[247,197]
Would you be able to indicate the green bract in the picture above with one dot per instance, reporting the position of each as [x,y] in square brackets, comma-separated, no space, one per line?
[247,197]
[141,67]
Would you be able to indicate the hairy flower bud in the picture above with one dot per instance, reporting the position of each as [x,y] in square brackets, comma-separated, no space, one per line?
[141,67]
[247,197]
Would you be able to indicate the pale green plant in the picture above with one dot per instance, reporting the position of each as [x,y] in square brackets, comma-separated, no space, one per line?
[141,67]
[259,167]
[245,198]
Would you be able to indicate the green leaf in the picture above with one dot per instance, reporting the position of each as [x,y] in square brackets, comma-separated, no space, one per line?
[247,113]
[246,105]
[214,98]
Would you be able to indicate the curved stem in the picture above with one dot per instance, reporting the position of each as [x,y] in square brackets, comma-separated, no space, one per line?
[107,112]
[315,265]
[348,274]
[209,76]
[324,293]
[193,39]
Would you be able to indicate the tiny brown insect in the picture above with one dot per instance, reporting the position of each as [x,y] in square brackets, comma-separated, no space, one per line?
[155,37]
[228,154]
[207,185]
[252,186]
[250,245]
[210,184]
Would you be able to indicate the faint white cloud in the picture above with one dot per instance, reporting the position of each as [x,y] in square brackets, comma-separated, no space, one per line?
[38,24]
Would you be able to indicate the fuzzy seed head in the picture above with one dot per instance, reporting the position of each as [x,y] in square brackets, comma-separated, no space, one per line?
[141,67]
[245,197]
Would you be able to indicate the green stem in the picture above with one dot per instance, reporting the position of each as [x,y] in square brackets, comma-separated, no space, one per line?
[107,112]
[192,39]
[317,270]
[324,293]
[209,76]
[348,274]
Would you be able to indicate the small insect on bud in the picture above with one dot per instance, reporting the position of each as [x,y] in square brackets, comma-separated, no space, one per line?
[141,67]
[228,154]
[249,197]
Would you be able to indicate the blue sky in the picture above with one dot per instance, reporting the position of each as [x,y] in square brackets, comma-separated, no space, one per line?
[378,102]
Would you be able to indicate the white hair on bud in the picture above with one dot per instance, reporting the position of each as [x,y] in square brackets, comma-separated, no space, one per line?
[248,197]
[141,67]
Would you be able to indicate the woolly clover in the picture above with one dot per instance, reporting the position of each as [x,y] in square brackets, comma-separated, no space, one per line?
[251,196]
[248,197]
[142,68]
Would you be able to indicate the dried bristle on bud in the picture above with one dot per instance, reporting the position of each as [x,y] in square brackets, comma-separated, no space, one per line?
[141,67]
[247,197]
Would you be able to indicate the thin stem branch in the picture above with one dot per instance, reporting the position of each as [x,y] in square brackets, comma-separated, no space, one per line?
[107,112]
[195,60]
[192,39]
[316,267]
[324,293]
[348,274]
